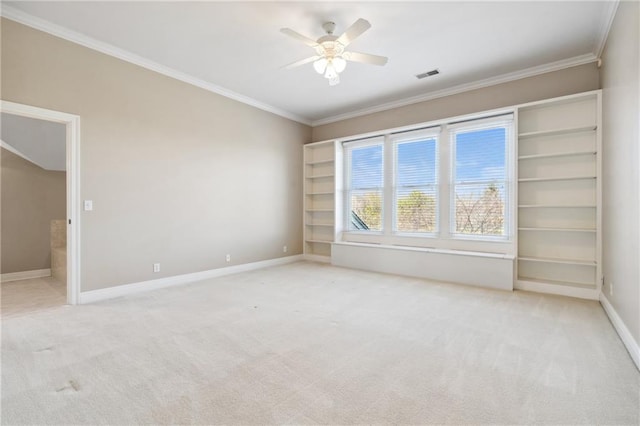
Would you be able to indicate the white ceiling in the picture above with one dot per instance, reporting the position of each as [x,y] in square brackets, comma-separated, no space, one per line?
[41,142]
[236,48]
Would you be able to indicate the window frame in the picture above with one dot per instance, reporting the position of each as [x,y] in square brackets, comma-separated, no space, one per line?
[348,148]
[505,122]
[409,137]
[443,238]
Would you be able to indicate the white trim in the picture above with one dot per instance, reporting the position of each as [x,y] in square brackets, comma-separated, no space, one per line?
[622,330]
[72,123]
[560,290]
[108,49]
[603,34]
[316,258]
[10,148]
[479,84]
[25,275]
[133,288]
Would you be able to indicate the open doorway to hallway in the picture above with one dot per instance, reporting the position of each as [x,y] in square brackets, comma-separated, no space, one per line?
[33,211]
[38,188]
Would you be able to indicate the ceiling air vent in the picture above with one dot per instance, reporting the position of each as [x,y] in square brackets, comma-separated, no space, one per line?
[427,74]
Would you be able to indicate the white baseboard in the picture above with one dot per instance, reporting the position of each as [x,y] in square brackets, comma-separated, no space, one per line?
[127,289]
[25,275]
[560,290]
[317,258]
[626,337]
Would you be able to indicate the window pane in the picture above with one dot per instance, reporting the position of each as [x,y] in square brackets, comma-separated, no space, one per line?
[415,192]
[480,182]
[366,210]
[480,208]
[366,167]
[365,188]
[480,155]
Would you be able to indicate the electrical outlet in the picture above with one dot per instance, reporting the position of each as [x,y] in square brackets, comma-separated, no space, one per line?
[228,258]
[284,249]
[156,267]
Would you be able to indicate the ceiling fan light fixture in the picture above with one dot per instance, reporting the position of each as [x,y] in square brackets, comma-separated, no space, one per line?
[339,64]
[331,58]
[320,65]
[331,72]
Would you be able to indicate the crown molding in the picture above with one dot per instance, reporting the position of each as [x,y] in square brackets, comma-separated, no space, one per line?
[603,34]
[21,17]
[479,84]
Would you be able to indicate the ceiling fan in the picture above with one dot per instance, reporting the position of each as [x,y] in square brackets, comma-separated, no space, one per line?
[331,58]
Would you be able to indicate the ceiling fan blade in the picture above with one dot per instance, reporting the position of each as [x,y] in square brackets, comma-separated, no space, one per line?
[358,27]
[301,62]
[365,58]
[306,40]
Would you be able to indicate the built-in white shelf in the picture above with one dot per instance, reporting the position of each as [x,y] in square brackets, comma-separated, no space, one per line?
[557,229]
[558,172]
[558,260]
[556,282]
[329,175]
[319,162]
[556,132]
[547,179]
[557,206]
[556,154]
[319,200]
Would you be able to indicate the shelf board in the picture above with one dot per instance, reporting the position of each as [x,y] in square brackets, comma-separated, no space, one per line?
[557,260]
[316,162]
[557,154]
[557,282]
[556,206]
[321,193]
[530,228]
[319,241]
[319,210]
[549,179]
[328,225]
[556,132]
[320,176]
[557,229]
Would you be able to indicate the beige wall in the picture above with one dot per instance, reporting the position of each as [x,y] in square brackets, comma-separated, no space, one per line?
[558,83]
[621,186]
[31,198]
[177,175]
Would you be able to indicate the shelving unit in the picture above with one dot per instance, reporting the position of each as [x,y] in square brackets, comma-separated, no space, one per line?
[319,200]
[559,169]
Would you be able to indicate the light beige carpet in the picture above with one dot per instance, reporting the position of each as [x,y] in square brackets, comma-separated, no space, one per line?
[308,343]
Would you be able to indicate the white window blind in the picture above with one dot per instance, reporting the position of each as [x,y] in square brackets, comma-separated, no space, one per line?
[480,179]
[416,184]
[365,185]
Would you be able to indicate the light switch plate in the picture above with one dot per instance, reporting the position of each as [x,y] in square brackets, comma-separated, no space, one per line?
[88,205]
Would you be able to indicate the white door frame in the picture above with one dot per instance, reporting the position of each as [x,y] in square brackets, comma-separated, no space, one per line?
[72,123]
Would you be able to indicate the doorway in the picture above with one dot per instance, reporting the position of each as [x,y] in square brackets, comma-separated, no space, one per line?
[64,231]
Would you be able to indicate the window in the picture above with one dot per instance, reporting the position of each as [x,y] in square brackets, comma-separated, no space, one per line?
[416,192]
[365,185]
[479,182]
[446,186]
